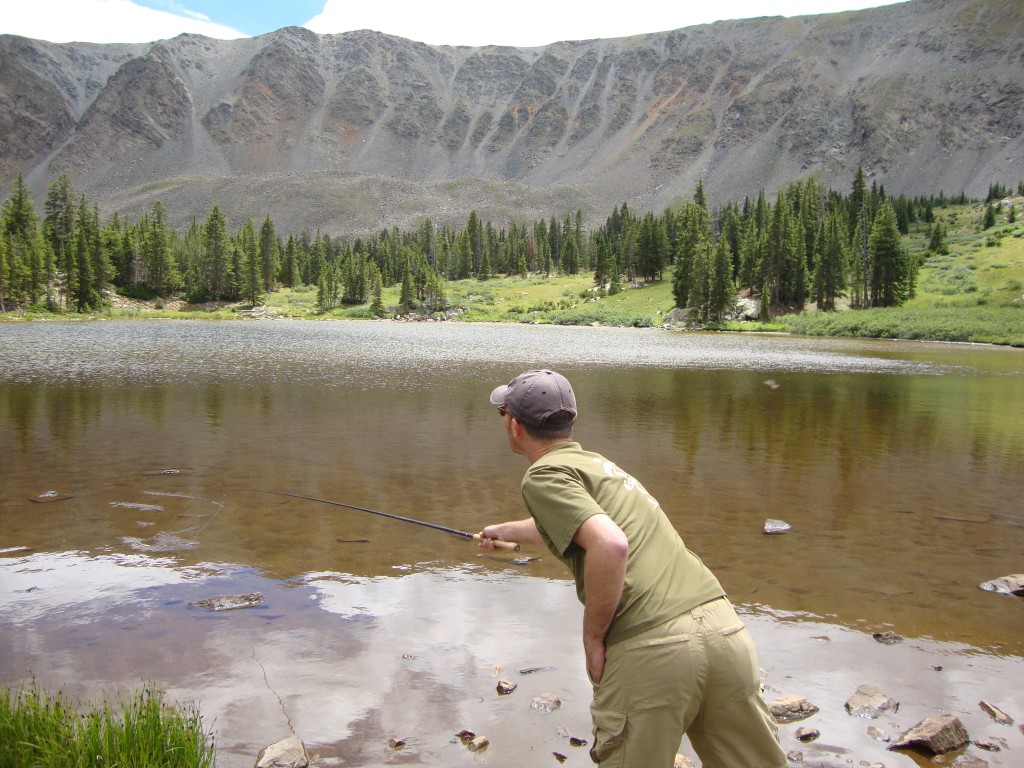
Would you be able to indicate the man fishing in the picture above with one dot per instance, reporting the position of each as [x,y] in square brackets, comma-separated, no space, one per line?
[665,651]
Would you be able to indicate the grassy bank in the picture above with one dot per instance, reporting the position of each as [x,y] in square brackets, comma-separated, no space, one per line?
[973,292]
[38,730]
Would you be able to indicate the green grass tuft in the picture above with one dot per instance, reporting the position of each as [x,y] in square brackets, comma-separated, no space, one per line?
[38,730]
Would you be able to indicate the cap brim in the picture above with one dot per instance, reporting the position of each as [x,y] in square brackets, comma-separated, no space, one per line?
[498,395]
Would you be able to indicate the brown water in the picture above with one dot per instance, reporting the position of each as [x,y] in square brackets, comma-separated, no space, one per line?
[900,467]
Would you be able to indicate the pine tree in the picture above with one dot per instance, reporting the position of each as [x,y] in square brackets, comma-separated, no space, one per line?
[290,267]
[252,266]
[405,297]
[218,255]
[698,195]
[59,223]
[989,220]
[829,273]
[159,269]
[26,254]
[890,269]
[4,277]
[722,289]
[376,289]
[270,255]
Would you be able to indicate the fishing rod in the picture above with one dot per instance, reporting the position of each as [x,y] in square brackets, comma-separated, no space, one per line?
[465,534]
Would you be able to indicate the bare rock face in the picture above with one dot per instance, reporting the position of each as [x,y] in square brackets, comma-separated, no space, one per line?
[936,734]
[340,132]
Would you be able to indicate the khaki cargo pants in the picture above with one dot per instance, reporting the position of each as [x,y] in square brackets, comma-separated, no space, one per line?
[697,675]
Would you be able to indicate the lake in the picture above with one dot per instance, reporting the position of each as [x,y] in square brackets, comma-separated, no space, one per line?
[136,457]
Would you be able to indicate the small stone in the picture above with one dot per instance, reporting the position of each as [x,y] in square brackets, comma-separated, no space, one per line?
[396,743]
[559,757]
[870,702]
[988,745]
[562,731]
[577,742]
[776,526]
[786,709]
[230,602]
[878,734]
[807,734]
[479,743]
[546,702]
[938,734]
[682,761]
[465,736]
[887,638]
[995,713]
[505,687]
[795,756]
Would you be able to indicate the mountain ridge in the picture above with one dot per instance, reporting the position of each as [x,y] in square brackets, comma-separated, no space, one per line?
[353,132]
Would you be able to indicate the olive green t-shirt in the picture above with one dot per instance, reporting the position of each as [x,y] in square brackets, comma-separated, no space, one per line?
[663,578]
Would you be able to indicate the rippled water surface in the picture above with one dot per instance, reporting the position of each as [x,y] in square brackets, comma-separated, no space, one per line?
[135,455]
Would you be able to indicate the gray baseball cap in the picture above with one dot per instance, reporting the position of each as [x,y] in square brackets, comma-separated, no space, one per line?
[540,399]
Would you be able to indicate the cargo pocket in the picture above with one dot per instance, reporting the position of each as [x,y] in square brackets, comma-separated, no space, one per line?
[609,733]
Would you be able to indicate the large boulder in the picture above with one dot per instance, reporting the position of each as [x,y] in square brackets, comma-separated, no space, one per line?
[744,308]
[938,735]
[290,753]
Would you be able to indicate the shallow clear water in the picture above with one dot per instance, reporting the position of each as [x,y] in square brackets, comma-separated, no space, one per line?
[900,467]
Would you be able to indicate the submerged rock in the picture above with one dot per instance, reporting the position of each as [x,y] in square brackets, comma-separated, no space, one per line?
[807,734]
[887,638]
[969,761]
[786,709]
[937,734]
[682,761]
[878,734]
[1005,585]
[230,602]
[290,753]
[995,713]
[546,702]
[870,702]
[776,526]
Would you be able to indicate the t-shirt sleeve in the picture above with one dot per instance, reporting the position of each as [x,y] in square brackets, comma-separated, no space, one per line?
[559,503]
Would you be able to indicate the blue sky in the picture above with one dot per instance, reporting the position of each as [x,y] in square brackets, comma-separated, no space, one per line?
[523,23]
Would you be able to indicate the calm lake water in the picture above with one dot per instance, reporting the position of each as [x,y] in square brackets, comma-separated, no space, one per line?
[135,455]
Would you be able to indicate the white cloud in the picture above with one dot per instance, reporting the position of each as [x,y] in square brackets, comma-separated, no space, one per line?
[103,21]
[531,23]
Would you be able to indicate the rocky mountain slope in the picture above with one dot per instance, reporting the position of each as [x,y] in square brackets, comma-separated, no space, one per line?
[352,132]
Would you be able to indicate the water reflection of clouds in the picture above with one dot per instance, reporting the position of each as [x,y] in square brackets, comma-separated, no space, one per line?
[79,585]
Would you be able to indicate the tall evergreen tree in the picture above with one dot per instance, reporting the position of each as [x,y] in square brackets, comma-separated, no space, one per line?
[829,273]
[891,276]
[252,266]
[722,291]
[218,255]
[270,256]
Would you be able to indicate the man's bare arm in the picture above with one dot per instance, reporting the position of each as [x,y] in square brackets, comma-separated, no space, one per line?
[604,573]
[521,531]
